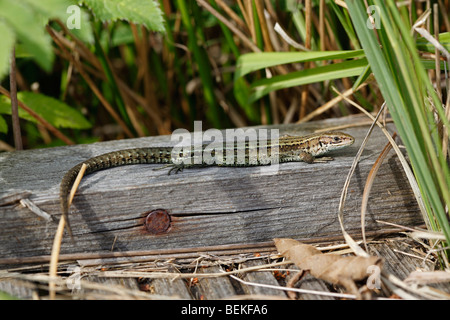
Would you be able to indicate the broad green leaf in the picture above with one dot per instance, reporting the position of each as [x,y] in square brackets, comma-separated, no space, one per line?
[144,12]
[333,71]
[54,111]
[254,61]
[5,48]
[3,125]
[29,30]
[49,8]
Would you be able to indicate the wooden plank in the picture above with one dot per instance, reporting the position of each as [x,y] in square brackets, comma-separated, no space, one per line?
[175,288]
[19,289]
[209,207]
[261,278]
[214,288]
[309,283]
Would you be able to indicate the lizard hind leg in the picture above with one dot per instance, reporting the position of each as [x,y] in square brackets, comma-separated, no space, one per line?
[308,158]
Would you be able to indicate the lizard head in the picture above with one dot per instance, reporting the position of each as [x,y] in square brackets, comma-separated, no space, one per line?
[336,140]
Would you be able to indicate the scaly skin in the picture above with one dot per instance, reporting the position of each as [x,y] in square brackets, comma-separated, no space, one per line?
[290,148]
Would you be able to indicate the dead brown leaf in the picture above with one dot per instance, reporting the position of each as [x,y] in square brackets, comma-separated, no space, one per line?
[335,269]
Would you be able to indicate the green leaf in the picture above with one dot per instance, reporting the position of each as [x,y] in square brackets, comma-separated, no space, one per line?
[333,71]
[29,30]
[254,61]
[242,92]
[49,8]
[79,23]
[8,39]
[143,12]
[54,111]
[405,85]
[3,125]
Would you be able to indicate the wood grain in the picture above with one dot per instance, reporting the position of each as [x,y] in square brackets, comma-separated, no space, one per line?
[209,206]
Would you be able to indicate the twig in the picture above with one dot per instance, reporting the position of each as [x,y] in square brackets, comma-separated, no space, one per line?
[14,107]
[36,210]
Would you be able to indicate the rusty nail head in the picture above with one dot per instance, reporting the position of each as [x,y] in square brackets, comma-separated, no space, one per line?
[158,221]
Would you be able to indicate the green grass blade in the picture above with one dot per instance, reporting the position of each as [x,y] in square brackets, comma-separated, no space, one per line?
[406,87]
[255,61]
[213,113]
[333,71]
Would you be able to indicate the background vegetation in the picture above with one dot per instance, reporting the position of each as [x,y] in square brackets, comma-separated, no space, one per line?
[119,77]
[137,68]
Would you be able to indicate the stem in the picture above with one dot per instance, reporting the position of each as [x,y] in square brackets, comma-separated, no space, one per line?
[14,103]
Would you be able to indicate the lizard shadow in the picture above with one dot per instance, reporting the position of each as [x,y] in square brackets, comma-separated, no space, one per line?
[93,222]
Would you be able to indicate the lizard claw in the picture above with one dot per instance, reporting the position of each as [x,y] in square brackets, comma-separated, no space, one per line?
[173,167]
[177,168]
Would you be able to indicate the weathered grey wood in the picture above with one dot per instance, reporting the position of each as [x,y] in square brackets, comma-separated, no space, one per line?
[125,283]
[209,206]
[214,288]
[262,278]
[308,282]
[171,288]
[19,289]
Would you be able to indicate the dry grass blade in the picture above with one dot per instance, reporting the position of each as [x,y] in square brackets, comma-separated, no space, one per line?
[177,275]
[368,186]
[430,235]
[264,30]
[422,277]
[57,38]
[232,14]
[352,243]
[305,291]
[401,157]
[436,51]
[424,33]
[150,106]
[288,39]
[226,22]
[444,16]
[404,290]
[56,248]
[331,103]
[5,147]
[308,65]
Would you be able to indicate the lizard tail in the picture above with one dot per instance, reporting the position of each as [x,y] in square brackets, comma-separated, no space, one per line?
[64,191]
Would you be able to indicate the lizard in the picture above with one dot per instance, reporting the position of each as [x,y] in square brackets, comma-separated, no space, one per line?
[290,149]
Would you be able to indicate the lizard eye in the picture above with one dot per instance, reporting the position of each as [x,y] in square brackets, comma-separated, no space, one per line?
[336,139]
